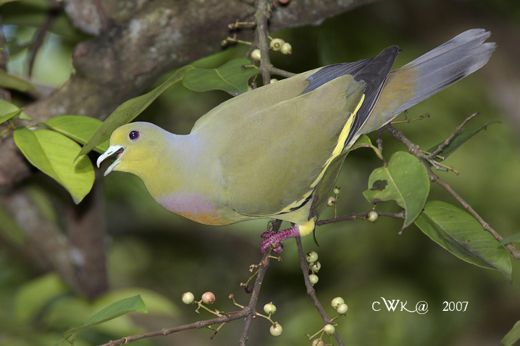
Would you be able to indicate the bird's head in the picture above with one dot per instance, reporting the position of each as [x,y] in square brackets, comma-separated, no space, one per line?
[133,146]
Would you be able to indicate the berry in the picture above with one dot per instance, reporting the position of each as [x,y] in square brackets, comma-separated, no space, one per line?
[318,342]
[269,308]
[331,201]
[329,329]
[255,54]
[188,297]
[276,329]
[372,216]
[335,302]
[315,267]
[312,257]
[313,278]
[208,298]
[336,190]
[286,48]
[342,309]
[276,44]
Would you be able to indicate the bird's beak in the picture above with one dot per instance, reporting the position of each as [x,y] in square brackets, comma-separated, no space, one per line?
[112,150]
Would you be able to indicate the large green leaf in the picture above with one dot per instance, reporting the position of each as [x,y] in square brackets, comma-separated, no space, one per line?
[55,155]
[512,336]
[129,110]
[78,127]
[404,180]
[12,82]
[231,77]
[459,233]
[114,310]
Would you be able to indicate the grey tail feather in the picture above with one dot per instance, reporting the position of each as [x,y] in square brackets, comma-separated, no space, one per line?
[446,64]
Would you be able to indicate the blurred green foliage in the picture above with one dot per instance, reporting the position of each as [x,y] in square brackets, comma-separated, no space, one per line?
[159,255]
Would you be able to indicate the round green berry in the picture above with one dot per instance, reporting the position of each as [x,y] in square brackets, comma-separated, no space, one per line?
[335,302]
[188,297]
[372,216]
[312,257]
[313,278]
[342,309]
[269,308]
[329,329]
[276,329]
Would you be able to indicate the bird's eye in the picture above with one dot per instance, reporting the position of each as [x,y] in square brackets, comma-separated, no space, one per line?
[133,135]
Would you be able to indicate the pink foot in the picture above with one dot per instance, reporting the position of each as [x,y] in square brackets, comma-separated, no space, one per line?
[274,240]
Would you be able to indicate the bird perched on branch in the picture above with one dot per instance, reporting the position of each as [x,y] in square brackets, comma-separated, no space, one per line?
[275,151]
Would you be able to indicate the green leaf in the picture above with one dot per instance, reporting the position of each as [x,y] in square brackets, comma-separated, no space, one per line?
[55,155]
[9,111]
[365,142]
[155,302]
[512,336]
[129,110]
[459,233]
[33,296]
[462,138]
[8,81]
[231,77]
[404,180]
[78,127]
[114,310]
[513,238]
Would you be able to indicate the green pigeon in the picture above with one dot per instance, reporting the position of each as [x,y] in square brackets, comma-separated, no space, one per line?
[275,152]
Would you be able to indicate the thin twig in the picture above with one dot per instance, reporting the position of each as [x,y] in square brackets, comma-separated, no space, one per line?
[251,307]
[280,72]
[359,216]
[262,14]
[455,134]
[231,316]
[311,291]
[415,150]
[247,312]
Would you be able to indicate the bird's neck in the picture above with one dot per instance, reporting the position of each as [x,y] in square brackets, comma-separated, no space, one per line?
[171,166]
[177,181]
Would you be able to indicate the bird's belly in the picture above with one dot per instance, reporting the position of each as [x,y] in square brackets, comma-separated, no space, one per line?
[195,207]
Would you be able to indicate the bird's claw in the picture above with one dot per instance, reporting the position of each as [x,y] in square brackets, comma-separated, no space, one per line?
[273,240]
[270,242]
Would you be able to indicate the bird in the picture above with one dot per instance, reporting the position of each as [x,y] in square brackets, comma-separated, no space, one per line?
[274,152]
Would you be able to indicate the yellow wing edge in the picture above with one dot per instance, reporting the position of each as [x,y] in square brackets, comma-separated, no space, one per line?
[338,149]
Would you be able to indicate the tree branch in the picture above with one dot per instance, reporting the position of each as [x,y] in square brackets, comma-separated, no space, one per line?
[247,312]
[262,14]
[311,291]
[251,307]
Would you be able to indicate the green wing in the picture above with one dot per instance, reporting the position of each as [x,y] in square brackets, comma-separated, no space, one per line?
[258,99]
[269,159]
